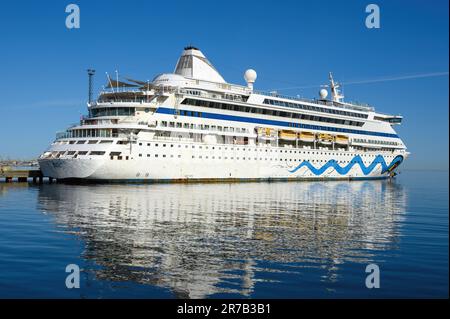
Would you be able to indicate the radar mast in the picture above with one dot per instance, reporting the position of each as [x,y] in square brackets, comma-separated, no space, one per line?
[335,91]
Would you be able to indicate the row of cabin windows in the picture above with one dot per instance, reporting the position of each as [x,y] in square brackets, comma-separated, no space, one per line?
[79,153]
[379,142]
[157,155]
[314,108]
[203,126]
[116,155]
[200,146]
[112,111]
[256,159]
[76,133]
[392,120]
[119,157]
[257,150]
[284,114]
[250,109]
[89,142]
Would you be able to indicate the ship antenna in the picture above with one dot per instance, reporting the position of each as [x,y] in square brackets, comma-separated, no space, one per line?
[109,80]
[117,80]
[335,92]
[91,73]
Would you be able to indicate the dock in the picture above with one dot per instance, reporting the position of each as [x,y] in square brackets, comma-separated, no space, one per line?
[9,175]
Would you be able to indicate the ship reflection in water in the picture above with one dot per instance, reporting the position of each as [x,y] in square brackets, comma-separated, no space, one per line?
[206,240]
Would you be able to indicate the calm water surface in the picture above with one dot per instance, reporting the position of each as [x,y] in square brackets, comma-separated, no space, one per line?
[250,240]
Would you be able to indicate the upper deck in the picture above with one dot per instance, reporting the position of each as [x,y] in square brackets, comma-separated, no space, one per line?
[195,76]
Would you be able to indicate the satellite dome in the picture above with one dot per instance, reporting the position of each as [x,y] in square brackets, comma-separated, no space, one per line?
[323,94]
[250,76]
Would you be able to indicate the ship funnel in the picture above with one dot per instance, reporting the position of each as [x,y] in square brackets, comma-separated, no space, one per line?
[193,64]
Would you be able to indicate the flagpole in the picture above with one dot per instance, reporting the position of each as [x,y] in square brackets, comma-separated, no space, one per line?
[110,83]
[117,80]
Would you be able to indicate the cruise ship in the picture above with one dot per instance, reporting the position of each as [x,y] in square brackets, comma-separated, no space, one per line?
[192,125]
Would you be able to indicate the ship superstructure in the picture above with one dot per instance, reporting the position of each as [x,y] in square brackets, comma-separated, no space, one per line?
[193,125]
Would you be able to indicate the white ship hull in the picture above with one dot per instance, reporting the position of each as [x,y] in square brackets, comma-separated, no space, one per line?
[180,162]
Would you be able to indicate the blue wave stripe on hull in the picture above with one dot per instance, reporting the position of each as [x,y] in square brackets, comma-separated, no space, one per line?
[379,159]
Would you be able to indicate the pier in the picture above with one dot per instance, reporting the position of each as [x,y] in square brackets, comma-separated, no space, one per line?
[9,175]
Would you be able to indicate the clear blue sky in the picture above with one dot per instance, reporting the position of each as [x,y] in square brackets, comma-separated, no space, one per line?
[289,43]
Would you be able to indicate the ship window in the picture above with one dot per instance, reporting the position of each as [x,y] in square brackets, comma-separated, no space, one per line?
[97,153]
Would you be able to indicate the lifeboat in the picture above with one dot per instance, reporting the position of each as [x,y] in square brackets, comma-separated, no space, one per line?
[325,138]
[287,135]
[266,133]
[341,139]
[306,136]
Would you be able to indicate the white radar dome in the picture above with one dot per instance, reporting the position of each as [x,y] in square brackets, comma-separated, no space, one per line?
[323,93]
[250,76]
